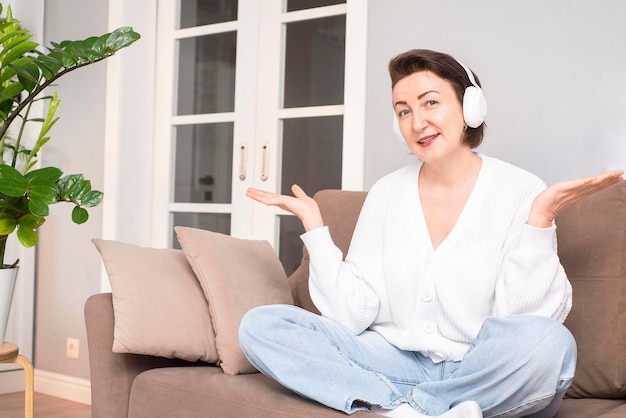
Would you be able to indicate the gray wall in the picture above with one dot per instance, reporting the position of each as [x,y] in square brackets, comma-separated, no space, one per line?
[552,72]
[68,269]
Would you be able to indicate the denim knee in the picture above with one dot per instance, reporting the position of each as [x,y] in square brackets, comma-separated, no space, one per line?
[259,322]
[252,324]
[553,337]
[552,343]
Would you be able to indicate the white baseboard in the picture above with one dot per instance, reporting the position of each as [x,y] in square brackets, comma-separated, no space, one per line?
[11,379]
[62,386]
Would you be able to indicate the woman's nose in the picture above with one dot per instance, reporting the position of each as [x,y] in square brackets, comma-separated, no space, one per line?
[419,122]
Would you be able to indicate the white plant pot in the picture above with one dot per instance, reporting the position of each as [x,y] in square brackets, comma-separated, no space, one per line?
[7,284]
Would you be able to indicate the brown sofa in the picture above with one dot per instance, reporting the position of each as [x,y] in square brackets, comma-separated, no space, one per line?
[592,247]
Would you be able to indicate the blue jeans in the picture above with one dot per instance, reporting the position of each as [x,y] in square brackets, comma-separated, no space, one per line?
[517,366]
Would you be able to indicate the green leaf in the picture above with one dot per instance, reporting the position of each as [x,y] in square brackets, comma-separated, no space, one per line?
[28,76]
[53,64]
[27,236]
[121,38]
[79,215]
[9,72]
[80,188]
[92,198]
[12,183]
[44,192]
[7,226]
[47,175]
[48,123]
[18,51]
[11,34]
[67,184]
[66,58]
[99,44]
[13,90]
[89,42]
[31,221]
[79,52]
[38,207]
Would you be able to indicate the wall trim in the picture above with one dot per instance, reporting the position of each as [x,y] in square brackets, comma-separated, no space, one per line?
[11,379]
[62,386]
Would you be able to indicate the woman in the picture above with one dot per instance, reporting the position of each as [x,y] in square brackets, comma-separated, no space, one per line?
[451,299]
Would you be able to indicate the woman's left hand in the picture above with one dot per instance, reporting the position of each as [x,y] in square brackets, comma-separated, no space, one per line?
[549,203]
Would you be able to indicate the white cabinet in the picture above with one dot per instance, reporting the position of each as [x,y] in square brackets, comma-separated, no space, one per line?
[255,93]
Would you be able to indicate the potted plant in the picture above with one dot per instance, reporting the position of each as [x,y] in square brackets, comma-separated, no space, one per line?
[27,190]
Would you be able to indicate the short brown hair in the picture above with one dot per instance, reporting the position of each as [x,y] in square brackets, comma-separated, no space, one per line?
[446,67]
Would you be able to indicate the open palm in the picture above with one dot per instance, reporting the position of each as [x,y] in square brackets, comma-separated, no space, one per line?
[549,203]
[300,204]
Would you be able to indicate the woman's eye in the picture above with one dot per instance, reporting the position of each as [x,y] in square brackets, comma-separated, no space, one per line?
[403,113]
[431,102]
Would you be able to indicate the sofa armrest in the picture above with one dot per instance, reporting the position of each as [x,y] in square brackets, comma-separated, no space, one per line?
[112,374]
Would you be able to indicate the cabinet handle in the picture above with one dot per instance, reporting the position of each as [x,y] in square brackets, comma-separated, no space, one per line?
[243,161]
[266,161]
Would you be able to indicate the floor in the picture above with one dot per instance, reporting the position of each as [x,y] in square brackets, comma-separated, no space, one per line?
[12,406]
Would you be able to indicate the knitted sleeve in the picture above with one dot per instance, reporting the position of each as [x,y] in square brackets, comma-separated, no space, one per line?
[532,279]
[337,287]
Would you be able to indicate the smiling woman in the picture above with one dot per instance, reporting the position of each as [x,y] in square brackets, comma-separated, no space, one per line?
[434,291]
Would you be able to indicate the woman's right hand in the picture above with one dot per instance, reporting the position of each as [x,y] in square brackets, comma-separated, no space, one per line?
[300,204]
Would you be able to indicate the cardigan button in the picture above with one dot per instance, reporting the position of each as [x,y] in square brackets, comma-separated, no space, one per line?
[429,326]
[427,294]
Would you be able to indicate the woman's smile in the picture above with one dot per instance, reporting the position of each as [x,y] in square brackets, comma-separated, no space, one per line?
[427,140]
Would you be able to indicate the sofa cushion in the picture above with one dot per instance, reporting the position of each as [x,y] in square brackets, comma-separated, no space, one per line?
[236,276]
[592,238]
[208,392]
[591,408]
[159,307]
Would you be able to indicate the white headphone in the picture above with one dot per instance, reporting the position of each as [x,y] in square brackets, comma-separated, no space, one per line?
[474,105]
[474,102]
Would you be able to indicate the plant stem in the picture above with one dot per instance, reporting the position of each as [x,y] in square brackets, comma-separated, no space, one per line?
[3,245]
[18,141]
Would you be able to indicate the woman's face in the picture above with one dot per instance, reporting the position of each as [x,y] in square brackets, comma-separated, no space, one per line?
[430,116]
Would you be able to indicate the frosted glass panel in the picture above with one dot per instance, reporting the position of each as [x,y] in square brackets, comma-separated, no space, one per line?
[206,74]
[290,248]
[312,153]
[206,12]
[314,62]
[203,163]
[216,222]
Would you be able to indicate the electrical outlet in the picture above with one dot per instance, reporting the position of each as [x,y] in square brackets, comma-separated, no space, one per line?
[71,348]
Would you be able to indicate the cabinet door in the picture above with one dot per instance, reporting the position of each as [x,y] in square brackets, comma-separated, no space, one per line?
[250,94]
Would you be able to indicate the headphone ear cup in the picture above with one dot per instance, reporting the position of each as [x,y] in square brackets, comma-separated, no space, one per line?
[396,128]
[474,106]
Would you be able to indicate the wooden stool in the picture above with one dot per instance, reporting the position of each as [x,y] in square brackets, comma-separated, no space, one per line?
[9,353]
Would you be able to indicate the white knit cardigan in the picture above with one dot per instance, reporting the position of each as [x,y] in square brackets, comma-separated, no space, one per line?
[492,263]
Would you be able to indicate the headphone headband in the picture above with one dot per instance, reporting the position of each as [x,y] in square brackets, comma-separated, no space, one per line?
[469,74]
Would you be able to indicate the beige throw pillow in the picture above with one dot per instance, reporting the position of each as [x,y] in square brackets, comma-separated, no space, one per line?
[236,275]
[159,307]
